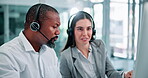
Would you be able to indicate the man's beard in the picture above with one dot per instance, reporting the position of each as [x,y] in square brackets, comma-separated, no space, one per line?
[51,43]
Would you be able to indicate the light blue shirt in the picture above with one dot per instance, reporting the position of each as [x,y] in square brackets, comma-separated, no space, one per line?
[88,64]
[18,59]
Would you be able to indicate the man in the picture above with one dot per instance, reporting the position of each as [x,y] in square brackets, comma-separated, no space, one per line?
[30,55]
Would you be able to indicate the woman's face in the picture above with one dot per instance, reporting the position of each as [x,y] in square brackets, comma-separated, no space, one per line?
[83,32]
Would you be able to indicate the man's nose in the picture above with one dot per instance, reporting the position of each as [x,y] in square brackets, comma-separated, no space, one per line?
[57,31]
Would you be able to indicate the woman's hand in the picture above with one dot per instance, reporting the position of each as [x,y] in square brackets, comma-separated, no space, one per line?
[128,74]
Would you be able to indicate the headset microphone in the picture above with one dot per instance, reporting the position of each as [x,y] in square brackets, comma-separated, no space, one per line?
[50,42]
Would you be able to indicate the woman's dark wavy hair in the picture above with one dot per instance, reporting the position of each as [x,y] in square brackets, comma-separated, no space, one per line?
[74,19]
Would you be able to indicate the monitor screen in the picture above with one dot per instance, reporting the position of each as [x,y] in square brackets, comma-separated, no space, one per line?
[141,63]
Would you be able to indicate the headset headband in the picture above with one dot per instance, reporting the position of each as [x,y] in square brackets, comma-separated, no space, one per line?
[80,12]
[37,12]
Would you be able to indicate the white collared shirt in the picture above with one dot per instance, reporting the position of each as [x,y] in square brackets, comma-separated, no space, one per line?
[18,59]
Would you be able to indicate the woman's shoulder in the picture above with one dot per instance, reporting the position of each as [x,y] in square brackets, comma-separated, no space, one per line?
[98,42]
[66,51]
[66,55]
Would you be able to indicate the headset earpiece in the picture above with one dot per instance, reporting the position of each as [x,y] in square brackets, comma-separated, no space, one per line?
[94,32]
[69,31]
[34,26]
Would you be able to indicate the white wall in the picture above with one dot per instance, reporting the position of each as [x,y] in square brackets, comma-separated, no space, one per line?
[54,3]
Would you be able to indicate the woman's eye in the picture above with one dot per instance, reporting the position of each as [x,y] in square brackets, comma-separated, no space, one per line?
[80,28]
[89,28]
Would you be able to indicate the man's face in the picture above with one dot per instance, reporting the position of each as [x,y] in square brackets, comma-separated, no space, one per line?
[50,26]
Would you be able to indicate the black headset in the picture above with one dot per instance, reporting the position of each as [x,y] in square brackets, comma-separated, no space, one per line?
[35,26]
[70,29]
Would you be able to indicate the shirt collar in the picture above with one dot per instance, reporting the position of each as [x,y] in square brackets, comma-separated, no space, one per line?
[28,46]
[89,49]
[25,42]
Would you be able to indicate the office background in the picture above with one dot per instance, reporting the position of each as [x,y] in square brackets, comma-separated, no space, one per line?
[116,21]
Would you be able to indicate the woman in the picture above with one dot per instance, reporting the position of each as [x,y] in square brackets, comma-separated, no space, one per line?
[83,56]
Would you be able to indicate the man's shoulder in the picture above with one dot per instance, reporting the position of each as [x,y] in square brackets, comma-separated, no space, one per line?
[10,45]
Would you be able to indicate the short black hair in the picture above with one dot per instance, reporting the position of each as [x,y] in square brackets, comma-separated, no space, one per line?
[31,14]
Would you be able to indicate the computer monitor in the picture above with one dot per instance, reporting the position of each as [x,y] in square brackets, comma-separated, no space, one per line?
[141,62]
